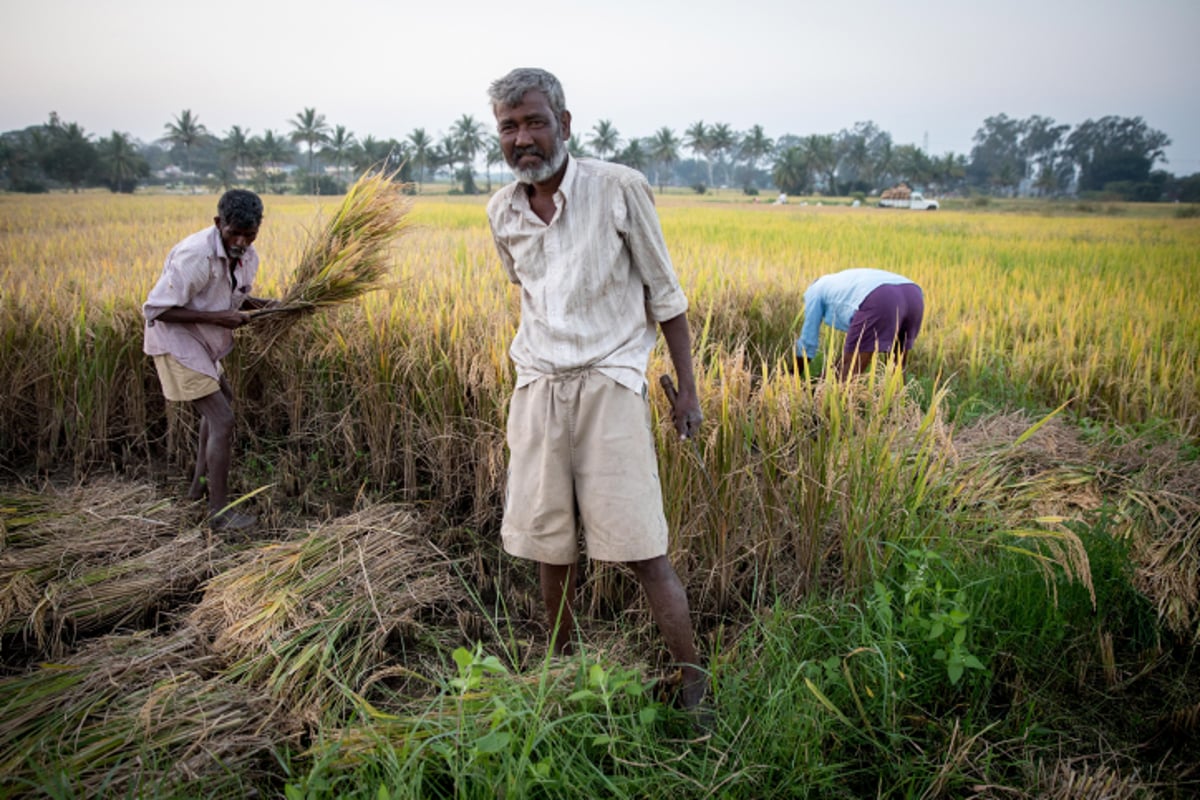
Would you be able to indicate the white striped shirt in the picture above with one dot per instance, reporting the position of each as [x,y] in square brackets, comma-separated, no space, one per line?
[594,281]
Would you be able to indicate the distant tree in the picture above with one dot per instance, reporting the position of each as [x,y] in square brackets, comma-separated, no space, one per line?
[492,154]
[447,154]
[791,171]
[998,159]
[604,139]
[859,155]
[469,134]
[310,128]
[1041,148]
[721,142]
[237,147]
[121,165]
[753,148]
[664,152]
[948,172]
[823,160]
[1115,149]
[913,165]
[185,131]
[698,139]
[339,142]
[576,148]
[421,147]
[67,154]
[634,156]
[20,160]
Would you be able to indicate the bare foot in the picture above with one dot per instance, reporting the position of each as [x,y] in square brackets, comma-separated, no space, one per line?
[198,490]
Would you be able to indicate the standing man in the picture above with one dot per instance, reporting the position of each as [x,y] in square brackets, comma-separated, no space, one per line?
[582,239]
[880,312]
[191,315]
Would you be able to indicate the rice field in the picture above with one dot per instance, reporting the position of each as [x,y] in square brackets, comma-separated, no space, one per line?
[890,571]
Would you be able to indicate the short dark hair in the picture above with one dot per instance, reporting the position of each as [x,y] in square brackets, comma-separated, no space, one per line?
[509,90]
[240,208]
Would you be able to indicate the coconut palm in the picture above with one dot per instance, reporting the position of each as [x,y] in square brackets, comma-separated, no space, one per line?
[634,156]
[604,139]
[721,141]
[237,145]
[338,143]
[469,134]
[121,162]
[575,147]
[421,149]
[492,154]
[664,151]
[186,130]
[312,129]
[755,146]
[698,139]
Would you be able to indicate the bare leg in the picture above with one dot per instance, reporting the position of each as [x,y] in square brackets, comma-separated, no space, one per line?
[854,364]
[198,486]
[558,596]
[217,412]
[669,607]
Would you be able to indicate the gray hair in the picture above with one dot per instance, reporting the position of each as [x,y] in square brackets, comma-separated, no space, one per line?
[509,90]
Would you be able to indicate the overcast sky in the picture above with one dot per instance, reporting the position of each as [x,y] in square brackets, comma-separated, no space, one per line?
[927,71]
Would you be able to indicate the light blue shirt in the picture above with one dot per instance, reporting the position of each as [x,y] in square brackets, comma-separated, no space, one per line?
[833,299]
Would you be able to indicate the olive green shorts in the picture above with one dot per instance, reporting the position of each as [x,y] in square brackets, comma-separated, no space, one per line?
[582,461]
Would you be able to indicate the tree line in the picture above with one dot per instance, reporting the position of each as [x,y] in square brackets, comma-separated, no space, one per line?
[1114,156]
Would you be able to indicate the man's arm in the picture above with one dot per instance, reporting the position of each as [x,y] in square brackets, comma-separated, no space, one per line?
[686,411]
[225,319]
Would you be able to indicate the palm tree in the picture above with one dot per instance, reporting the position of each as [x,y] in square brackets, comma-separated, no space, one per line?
[122,163]
[339,142]
[664,150]
[421,147]
[697,139]
[312,129]
[237,146]
[721,141]
[791,170]
[267,153]
[447,153]
[186,130]
[604,139]
[492,154]
[823,159]
[633,156]
[754,148]
[469,134]
[575,147]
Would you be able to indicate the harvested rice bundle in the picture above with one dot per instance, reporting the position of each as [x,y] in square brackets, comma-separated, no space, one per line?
[307,618]
[349,257]
[140,715]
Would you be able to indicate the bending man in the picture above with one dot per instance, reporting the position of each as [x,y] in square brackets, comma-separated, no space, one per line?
[191,315]
[879,311]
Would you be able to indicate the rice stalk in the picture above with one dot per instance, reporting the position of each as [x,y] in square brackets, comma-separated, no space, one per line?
[347,258]
[131,715]
[303,619]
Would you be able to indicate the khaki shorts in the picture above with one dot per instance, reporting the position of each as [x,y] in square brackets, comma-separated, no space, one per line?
[582,457]
[180,383]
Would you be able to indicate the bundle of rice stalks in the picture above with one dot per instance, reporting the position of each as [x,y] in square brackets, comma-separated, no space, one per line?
[306,620]
[138,716]
[94,557]
[349,257]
